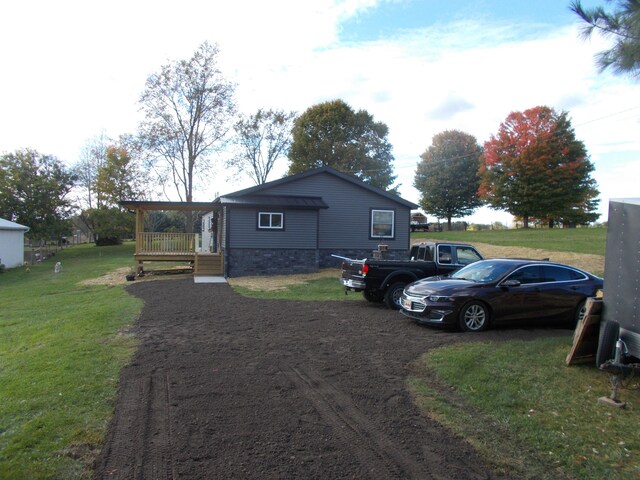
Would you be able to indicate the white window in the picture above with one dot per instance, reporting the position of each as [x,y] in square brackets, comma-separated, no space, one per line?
[271,220]
[382,223]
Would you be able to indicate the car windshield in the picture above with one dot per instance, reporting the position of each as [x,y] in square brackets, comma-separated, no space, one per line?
[484,271]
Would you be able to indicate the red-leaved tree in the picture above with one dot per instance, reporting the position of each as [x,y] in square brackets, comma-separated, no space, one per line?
[535,167]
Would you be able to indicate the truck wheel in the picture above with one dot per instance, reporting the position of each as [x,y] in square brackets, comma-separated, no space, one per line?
[393,295]
[373,297]
[474,317]
[609,333]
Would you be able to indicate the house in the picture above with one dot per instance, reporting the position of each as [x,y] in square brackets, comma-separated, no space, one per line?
[11,243]
[418,217]
[291,225]
[295,224]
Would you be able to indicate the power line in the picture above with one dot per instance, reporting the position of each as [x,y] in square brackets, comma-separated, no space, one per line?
[607,116]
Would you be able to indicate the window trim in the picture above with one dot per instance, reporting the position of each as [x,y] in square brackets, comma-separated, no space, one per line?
[542,265]
[393,224]
[271,215]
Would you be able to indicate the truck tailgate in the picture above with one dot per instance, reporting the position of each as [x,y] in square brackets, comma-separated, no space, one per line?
[351,276]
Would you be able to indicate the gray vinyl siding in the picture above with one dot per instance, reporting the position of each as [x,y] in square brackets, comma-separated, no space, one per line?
[346,223]
[300,229]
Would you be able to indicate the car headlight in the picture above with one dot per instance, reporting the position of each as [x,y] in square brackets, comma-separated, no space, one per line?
[438,298]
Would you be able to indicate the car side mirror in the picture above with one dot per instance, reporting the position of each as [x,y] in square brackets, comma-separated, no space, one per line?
[511,283]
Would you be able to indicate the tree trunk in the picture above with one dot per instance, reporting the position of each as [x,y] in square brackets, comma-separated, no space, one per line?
[525,221]
[189,213]
[449,223]
[188,227]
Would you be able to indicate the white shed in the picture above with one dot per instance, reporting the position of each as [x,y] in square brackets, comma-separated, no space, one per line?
[12,243]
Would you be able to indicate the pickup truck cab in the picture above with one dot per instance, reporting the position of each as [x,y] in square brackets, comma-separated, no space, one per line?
[384,280]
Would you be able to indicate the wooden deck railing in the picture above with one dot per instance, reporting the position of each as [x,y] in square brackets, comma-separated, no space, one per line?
[165,243]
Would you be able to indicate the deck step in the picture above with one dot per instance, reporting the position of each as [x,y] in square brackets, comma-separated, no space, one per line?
[207,264]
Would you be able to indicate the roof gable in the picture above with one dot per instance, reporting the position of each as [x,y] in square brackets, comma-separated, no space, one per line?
[8,225]
[263,189]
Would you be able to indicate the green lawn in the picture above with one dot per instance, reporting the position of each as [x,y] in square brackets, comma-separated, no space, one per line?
[578,240]
[62,346]
[327,288]
[529,414]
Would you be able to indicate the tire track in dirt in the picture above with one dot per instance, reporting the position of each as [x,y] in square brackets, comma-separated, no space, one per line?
[158,432]
[357,433]
[147,405]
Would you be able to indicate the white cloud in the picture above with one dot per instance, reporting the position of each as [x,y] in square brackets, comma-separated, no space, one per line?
[75,68]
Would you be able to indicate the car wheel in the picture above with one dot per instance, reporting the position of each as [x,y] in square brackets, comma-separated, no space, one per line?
[609,333]
[374,297]
[393,295]
[581,311]
[474,317]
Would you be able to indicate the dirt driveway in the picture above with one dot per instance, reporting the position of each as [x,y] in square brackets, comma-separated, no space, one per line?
[227,387]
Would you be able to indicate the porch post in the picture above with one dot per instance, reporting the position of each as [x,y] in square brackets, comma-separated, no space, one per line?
[139,229]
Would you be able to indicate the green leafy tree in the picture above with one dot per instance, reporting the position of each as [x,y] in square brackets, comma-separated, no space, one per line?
[447,176]
[261,139]
[188,108]
[119,177]
[109,225]
[583,214]
[623,26]
[33,192]
[333,134]
[535,167]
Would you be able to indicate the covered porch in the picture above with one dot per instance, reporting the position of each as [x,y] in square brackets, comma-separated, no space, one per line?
[205,257]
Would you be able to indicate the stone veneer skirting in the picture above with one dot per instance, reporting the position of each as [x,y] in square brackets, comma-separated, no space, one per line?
[243,262]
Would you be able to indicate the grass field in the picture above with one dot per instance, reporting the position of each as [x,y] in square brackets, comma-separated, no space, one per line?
[529,414]
[62,345]
[577,240]
[316,287]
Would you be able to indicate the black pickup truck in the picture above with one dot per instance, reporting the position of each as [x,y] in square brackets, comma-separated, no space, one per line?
[384,280]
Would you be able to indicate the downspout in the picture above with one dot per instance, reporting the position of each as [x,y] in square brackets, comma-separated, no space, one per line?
[227,236]
[318,238]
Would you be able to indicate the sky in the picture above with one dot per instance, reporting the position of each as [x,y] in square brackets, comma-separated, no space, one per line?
[73,70]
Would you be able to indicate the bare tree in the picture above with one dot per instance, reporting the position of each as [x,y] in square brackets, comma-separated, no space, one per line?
[260,140]
[188,107]
[92,157]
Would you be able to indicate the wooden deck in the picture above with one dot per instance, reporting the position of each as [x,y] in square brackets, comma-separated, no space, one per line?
[176,247]
[173,247]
